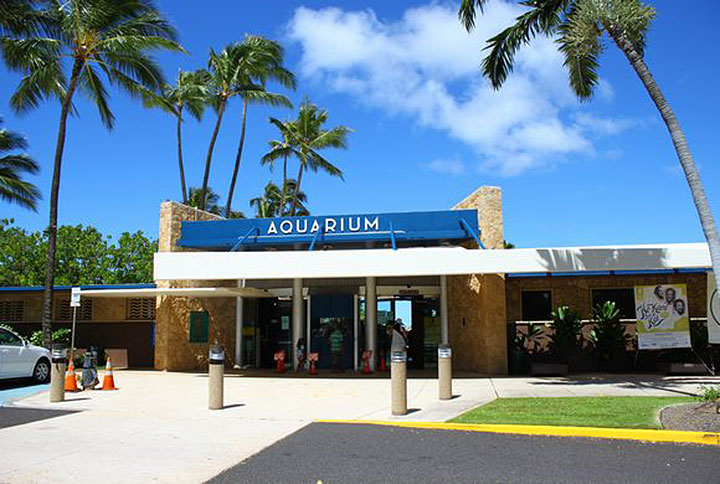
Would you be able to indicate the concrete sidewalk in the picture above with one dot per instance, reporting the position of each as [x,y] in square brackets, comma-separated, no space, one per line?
[157,426]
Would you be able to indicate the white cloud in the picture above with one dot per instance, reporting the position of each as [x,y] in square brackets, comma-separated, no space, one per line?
[451,166]
[426,67]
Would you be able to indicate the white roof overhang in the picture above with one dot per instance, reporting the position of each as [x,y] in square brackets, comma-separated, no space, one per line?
[177,291]
[425,262]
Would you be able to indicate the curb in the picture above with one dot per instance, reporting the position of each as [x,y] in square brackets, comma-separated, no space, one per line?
[645,435]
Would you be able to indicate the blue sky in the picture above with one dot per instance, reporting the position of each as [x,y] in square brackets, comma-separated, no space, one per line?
[428,130]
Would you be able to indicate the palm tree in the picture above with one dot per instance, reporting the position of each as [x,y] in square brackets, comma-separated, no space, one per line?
[230,70]
[582,25]
[280,149]
[267,205]
[306,137]
[271,203]
[190,92]
[210,203]
[113,36]
[13,188]
[258,60]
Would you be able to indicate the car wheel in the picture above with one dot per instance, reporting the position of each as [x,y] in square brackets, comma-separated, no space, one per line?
[41,373]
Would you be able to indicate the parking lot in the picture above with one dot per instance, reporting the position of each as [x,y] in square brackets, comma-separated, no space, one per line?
[159,422]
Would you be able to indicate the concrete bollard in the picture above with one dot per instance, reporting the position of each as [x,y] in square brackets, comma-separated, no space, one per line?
[58,368]
[444,372]
[398,377]
[216,376]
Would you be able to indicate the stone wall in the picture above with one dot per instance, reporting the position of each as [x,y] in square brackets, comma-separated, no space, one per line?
[173,351]
[576,291]
[476,303]
[488,203]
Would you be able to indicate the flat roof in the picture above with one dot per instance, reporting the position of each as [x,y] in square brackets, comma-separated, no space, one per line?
[81,286]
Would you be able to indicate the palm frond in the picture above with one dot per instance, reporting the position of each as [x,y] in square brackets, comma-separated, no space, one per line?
[544,18]
[468,11]
[93,86]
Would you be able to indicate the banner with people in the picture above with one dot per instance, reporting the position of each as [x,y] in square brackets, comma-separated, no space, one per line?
[713,310]
[662,316]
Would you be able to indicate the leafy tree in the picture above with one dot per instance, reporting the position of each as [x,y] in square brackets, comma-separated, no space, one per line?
[258,60]
[190,92]
[21,255]
[582,26]
[306,137]
[131,259]
[83,36]
[13,188]
[84,256]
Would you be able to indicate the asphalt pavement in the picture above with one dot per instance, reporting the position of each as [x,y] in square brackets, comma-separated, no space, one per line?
[343,453]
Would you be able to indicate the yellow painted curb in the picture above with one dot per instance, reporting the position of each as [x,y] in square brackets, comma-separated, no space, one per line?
[647,435]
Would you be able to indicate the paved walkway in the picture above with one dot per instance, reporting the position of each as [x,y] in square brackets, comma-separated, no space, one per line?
[157,425]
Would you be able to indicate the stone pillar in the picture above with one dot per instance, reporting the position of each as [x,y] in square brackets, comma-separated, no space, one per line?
[444,334]
[173,351]
[488,203]
[298,318]
[477,313]
[371,319]
[239,327]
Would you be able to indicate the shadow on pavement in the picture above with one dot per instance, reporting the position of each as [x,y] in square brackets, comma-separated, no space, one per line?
[11,416]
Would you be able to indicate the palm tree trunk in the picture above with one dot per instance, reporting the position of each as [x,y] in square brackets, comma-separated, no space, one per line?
[208,160]
[297,189]
[283,198]
[681,147]
[47,308]
[238,157]
[180,155]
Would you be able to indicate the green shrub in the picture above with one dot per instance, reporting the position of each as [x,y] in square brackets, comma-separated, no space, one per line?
[608,336]
[566,337]
[709,394]
[61,336]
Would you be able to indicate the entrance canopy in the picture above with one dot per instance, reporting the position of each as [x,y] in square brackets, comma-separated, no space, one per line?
[425,261]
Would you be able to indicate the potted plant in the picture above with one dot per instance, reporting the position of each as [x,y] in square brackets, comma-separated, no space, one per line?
[525,344]
[565,342]
[608,337]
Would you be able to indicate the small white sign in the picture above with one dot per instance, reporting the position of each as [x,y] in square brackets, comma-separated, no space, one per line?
[75,297]
[713,310]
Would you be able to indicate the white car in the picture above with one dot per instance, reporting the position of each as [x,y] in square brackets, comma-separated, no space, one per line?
[20,359]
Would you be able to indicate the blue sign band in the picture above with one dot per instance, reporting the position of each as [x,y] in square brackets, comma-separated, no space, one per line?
[239,234]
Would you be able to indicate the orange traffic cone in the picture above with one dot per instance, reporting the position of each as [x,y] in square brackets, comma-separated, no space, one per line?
[108,380]
[383,366]
[312,358]
[367,354]
[70,380]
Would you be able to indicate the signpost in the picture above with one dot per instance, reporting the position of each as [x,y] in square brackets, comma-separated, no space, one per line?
[662,316]
[74,304]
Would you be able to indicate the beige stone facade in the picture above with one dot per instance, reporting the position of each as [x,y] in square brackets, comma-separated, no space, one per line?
[173,350]
[476,303]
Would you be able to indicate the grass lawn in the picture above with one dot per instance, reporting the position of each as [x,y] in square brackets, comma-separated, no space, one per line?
[625,412]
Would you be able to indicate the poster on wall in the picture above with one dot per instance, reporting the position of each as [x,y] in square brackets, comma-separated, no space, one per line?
[713,310]
[662,316]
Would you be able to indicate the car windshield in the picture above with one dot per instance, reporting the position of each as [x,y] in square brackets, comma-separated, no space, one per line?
[9,339]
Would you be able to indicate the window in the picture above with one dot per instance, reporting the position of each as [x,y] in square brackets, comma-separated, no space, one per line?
[63,311]
[9,339]
[198,322]
[536,305]
[624,300]
[142,308]
[12,311]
